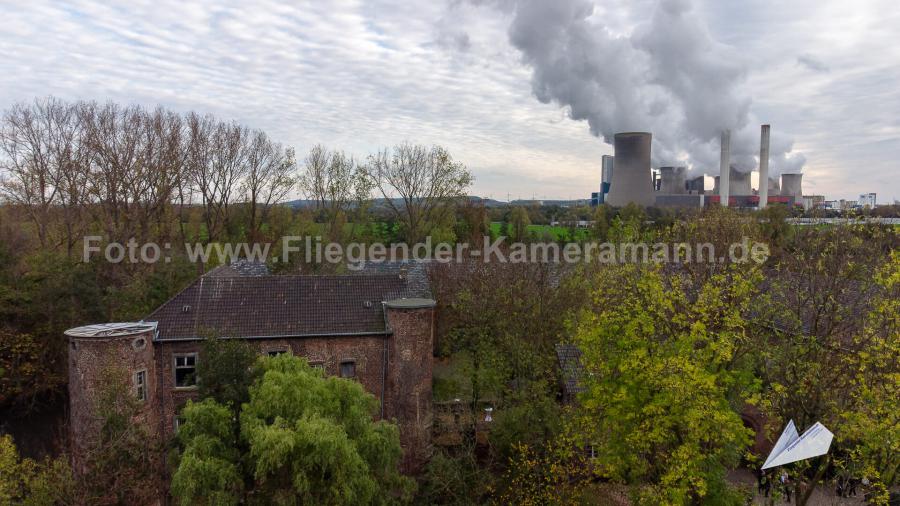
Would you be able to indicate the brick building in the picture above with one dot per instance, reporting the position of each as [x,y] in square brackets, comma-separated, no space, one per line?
[375,328]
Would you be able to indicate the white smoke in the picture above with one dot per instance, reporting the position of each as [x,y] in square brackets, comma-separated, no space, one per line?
[668,77]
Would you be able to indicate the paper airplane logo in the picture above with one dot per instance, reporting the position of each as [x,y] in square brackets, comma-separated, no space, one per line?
[790,447]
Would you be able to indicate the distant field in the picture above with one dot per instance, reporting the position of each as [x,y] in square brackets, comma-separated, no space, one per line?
[555,233]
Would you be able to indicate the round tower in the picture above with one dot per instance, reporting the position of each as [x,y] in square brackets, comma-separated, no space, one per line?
[96,352]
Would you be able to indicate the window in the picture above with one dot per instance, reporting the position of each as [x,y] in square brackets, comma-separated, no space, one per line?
[186,370]
[178,421]
[275,353]
[348,369]
[318,365]
[140,385]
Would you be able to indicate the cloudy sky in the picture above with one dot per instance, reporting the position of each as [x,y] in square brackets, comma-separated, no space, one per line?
[522,91]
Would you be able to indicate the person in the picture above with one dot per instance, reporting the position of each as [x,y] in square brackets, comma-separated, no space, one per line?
[853,484]
[785,486]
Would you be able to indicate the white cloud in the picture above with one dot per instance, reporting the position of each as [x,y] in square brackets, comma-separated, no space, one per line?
[360,75]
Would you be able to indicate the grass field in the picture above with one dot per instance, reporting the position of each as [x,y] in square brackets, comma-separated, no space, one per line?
[549,232]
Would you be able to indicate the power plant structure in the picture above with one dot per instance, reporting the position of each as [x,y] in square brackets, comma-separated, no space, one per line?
[631,179]
[627,177]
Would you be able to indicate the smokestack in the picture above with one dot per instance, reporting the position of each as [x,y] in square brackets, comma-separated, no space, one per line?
[739,183]
[792,186]
[725,167]
[764,166]
[631,180]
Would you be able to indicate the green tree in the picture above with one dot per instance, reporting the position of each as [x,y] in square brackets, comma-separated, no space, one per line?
[664,377]
[29,482]
[226,371]
[601,223]
[309,440]
[518,223]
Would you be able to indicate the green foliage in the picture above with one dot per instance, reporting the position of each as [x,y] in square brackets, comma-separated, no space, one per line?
[31,483]
[454,479]
[226,371]
[664,376]
[531,415]
[308,440]
[27,371]
[208,470]
[123,463]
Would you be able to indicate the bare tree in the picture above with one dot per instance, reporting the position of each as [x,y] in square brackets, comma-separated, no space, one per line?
[217,164]
[338,185]
[419,184]
[270,176]
[41,163]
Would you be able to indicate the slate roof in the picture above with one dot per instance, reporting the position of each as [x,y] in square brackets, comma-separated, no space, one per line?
[415,272]
[242,267]
[279,306]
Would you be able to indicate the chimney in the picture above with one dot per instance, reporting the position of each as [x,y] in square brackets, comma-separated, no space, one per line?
[725,167]
[764,167]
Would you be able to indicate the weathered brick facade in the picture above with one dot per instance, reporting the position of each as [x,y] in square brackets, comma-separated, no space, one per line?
[100,350]
[393,362]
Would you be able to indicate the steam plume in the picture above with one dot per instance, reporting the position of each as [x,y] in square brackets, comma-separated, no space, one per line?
[668,77]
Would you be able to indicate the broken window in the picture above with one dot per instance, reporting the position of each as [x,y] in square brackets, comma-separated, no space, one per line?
[140,385]
[186,370]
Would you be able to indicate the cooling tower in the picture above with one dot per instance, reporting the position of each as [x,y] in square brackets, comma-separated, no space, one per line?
[724,165]
[764,166]
[672,180]
[792,186]
[631,181]
[774,186]
[739,183]
[667,178]
[679,174]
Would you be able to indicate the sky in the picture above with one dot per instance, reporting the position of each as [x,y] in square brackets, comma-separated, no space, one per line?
[521,91]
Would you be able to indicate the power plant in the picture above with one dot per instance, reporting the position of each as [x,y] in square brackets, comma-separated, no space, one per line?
[631,178]
[627,177]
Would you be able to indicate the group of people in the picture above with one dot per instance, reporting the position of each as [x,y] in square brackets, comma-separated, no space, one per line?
[766,481]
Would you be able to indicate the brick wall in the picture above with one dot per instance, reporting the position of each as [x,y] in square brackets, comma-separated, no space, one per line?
[88,357]
[402,383]
[365,351]
[408,399]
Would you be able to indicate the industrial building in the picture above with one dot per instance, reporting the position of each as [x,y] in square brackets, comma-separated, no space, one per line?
[627,177]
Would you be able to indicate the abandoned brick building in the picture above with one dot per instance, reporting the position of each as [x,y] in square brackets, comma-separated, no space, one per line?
[376,328]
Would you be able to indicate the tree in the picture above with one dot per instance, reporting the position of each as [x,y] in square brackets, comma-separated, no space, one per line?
[309,439]
[270,177]
[226,371]
[665,369]
[33,483]
[601,223]
[338,185]
[419,184]
[518,223]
